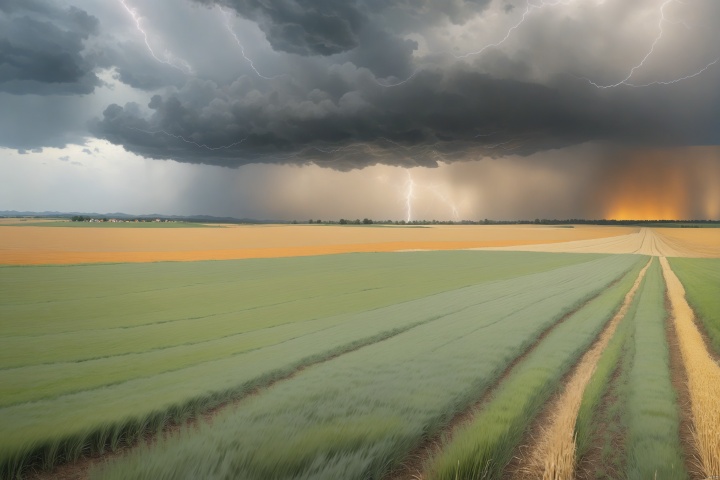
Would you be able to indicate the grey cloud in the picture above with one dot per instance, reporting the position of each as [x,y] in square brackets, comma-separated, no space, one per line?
[327,27]
[31,122]
[325,103]
[41,49]
[64,158]
[323,27]
[352,122]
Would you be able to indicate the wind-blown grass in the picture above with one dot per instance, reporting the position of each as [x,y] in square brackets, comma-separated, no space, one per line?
[703,377]
[554,451]
[359,414]
[652,441]
[482,448]
[598,386]
[71,314]
[701,279]
[58,425]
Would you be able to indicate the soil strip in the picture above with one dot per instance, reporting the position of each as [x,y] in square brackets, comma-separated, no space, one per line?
[413,466]
[607,431]
[549,450]
[678,376]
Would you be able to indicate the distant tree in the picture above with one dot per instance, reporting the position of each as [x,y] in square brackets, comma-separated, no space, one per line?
[343,221]
[367,221]
[357,221]
[310,221]
[294,222]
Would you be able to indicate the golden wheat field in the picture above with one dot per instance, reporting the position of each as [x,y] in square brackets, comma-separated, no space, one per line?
[37,245]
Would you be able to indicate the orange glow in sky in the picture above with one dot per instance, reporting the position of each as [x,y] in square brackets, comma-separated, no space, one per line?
[649,187]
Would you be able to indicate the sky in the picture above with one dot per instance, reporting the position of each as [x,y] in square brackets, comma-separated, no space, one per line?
[386,109]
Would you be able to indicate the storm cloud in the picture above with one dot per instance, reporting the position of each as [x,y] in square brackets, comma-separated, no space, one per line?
[350,83]
[41,48]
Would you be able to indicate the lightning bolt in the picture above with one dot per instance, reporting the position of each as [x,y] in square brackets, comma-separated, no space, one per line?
[446,201]
[670,82]
[402,82]
[409,196]
[180,137]
[229,28]
[529,6]
[658,38]
[170,59]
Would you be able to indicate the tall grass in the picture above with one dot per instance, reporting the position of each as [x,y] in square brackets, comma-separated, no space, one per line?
[57,428]
[703,377]
[84,313]
[360,414]
[652,441]
[610,361]
[482,448]
[701,280]
[609,423]
[98,333]
[555,451]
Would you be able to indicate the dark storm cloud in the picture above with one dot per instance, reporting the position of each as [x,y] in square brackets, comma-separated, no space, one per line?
[321,27]
[351,83]
[349,121]
[41,48]
[327,27]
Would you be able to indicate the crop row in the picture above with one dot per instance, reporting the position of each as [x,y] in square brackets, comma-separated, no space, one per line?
[483,447]
[60,427]
[44,366]
[701,279]
[77,299]
[703,376]
[358,415]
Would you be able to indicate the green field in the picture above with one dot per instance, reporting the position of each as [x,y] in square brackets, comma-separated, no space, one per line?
[701,279]
[366,356]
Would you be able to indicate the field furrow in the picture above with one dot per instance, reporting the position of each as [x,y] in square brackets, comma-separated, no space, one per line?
[701,282]
[703,376]
[602,418]
[54,424]
[227,298]
[358,415]
[483,447]
[552,456]
[652,440]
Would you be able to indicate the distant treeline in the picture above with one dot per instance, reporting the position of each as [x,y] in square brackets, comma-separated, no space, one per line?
[81,218]
[537,221]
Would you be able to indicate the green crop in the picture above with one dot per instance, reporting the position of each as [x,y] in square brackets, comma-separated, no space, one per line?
[359,414]
[701,279]
[652,441]
[482,448]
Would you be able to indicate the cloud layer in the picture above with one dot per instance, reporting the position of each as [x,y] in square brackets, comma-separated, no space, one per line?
[350,83]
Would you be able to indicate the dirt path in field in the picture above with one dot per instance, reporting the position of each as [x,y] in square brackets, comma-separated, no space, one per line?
[593,462]
[39,245]
[550,451]
[703,375]
[413,466]
[647,241]
[679,379]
